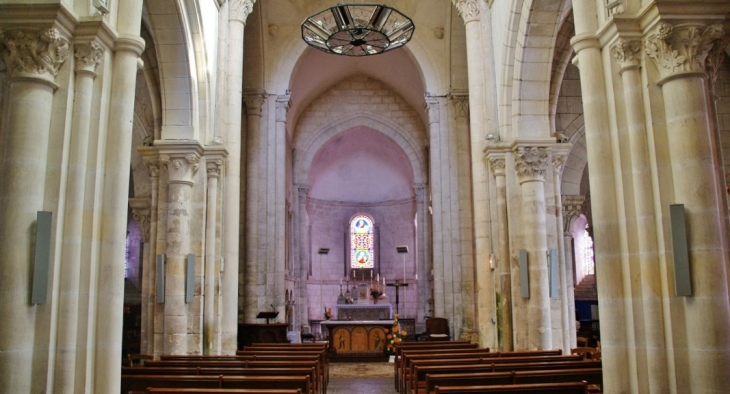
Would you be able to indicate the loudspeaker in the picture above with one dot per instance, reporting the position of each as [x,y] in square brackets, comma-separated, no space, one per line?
[682,275]
[41,257]
[160,282]
[189,278]
[524,275]
[554,275]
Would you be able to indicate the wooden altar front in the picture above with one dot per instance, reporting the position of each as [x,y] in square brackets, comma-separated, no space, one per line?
[355,340]
[363,311]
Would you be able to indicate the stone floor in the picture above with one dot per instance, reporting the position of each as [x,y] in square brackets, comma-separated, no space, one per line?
[365,385]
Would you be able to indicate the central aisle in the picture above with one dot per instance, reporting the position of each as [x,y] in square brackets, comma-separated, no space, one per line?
[363,385]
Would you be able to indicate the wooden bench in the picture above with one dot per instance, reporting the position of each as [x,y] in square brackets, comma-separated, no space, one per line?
[546,388]
[155,390]
[593,376]
[144,382]
[399,347]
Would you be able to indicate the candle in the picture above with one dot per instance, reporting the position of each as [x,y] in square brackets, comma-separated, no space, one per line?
[378,278]
[416,276]
[353,274]
[340,281]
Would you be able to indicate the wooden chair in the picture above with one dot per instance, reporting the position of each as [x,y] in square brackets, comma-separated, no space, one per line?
[582,342]
[437,329]
[137,360]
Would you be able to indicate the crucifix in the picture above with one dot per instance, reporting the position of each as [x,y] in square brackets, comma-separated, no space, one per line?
[397,286]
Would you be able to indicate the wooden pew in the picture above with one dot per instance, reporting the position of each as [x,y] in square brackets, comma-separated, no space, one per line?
[546,388]
[292,349]
[414,346]
[153,390]
[144,382]
[593,376]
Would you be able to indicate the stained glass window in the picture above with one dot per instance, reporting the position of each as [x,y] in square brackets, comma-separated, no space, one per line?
[361,242]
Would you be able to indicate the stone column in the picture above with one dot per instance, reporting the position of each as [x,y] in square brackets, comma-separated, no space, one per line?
[33,60]
[617,360]
[571,211]
[115,197]
[150,309]
[568,320]
[256,146]
[88,55]
[679,53]
[141,213]
[276,282]
[301,296]
[211,338]
[422,246]
[470,12]
[531,163]
[238,11]
[504,277]
[652,287]
[182,164]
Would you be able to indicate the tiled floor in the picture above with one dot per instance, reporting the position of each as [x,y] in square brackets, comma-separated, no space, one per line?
[361,386]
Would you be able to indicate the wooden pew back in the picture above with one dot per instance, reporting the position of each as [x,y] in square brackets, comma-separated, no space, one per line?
[546,388]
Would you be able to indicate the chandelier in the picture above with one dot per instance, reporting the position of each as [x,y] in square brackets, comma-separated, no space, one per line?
[357,29]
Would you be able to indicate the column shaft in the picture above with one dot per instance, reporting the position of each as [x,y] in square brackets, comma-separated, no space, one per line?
[256,146]
[504,279]
[209,315]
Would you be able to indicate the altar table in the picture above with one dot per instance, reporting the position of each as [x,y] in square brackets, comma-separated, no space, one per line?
[363,311]
[357,339]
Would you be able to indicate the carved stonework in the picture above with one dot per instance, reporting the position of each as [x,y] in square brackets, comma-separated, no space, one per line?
[571,210]
[682,49]
[614,7]
[626,52]
[432,108]
[559,163]
[254,103]
[497,165]
[531,163]
[461,105]
[468,9]
[283,103]
[239,10]
[153,166]
[716,56]
[41,53]
[88,56]
[142,216]
[181,168]
[214,168]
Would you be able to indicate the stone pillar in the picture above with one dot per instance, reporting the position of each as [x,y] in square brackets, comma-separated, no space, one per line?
[568,319]
[256,146]
[504,280]
[571,212]
[301,295]
[115,197]
[150,308]
[276,282]
[33,60]
[422,248]
[88,55]
[211,338]
[142,214]
[182,163]
[652,286]
[479,318]
[531,164]
[238,11]
[617,361]
[679,53]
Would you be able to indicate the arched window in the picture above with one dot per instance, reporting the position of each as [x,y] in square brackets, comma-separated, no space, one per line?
[589,264]
[361,242]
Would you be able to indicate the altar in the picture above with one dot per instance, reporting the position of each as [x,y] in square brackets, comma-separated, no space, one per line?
[363,311]
[363,339]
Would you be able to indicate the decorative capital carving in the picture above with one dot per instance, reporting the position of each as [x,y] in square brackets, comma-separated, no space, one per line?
[40,54]
[283,103]
[181,169]
[626,52]
[214,168]
[497,165]
[254,103]
[153,166]
[432,108]
[571,210]
[239,10]
[531,163]
[142,216]
[716,56]
[461,105]
[88,56]
[468,9]
[682,49]
[559,163]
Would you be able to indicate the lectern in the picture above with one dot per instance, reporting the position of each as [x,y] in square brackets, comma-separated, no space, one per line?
[249,333]
[267,316]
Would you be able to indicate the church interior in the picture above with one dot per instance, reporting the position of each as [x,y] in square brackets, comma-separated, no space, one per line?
[531,173]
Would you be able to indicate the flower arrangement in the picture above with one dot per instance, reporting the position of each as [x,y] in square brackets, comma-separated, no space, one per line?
[394,336]
[349,300]
[375,292]
[327,313]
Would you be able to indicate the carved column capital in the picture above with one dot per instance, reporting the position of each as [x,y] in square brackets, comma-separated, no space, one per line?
[531,163]
[468,9]
[559,163]
[283,103]
[460,102]
[239,10]
[141,213]
[571,210]
[153,166]
[214,168]
[497,165]
[181,168]
[626,52]
[37,54]
[88,56]
[254,104]
[432,109]
[682,49]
